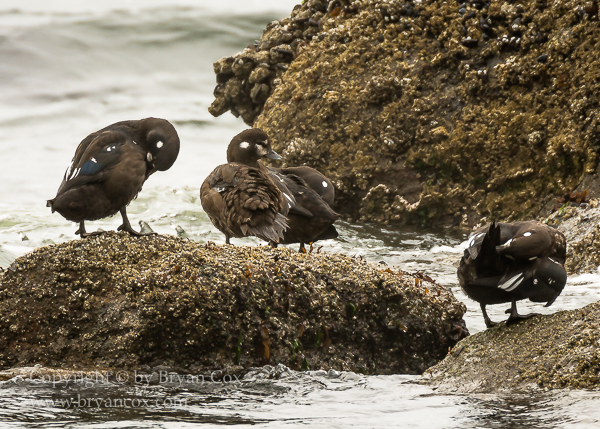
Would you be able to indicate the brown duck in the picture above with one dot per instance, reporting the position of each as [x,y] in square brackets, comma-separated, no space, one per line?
[240,197]
[310,217]
[109,168]
[508,262]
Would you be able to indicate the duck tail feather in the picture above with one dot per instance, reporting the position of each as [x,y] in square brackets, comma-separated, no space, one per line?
[271,233]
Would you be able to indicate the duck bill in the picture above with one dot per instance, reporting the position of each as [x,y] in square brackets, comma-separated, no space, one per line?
[272,155]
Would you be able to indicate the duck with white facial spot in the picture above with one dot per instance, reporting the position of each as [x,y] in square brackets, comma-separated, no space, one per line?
[109,168]
[509,262]
[279,205]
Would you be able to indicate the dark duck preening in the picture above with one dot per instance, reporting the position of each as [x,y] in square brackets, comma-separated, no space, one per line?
[109,168]
[508,262]
[311,217]
[240,197]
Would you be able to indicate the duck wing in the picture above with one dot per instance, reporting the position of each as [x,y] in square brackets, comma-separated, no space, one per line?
[289,189]
[542,280]
[525,240]
[94,158]
[315,180]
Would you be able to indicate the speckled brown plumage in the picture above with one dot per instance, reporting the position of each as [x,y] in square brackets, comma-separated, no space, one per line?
[240,197]
[242,201]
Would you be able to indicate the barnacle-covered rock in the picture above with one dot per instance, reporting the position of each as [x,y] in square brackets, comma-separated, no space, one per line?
[465,110]
[246,80]
[561,350]
[580,223]
[124,302]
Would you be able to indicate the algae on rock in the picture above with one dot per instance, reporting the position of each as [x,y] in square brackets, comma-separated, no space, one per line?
[460,112]
[123,302]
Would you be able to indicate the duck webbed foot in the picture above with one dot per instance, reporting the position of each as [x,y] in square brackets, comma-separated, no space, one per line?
[516,317]
[82,232]
[126,226]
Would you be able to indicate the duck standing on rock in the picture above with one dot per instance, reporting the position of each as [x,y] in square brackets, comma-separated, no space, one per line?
[240,197]
[311,218]
[508,262]
[109,168]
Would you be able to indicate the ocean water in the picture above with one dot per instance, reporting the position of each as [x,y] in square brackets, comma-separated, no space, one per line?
[71,67]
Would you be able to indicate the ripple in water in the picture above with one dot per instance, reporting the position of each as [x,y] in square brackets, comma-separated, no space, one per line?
[276,397]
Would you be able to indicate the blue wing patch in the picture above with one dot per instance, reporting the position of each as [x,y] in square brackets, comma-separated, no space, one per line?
[90,168]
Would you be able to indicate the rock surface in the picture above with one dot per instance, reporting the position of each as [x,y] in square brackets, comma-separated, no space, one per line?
[122,302]
[581,226]
[550,352]
[433,112]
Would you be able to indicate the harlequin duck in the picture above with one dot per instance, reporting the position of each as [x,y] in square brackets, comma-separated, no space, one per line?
[311,218]
[109,168]
[508,262]
[240,197]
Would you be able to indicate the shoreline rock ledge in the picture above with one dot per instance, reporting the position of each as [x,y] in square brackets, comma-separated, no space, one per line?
[558,351]
[115,301]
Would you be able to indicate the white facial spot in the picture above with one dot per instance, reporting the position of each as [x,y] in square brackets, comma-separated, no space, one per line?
[535,281]
[94,160]
[159,145]
[324,183]
[527,234]
[149,157]
[244,145]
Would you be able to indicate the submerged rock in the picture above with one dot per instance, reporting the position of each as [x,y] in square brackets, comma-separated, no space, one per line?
[122,302]
[430,112]
[550,352]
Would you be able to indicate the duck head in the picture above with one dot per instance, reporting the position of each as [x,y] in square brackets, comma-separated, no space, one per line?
[161,141]
[249,146]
